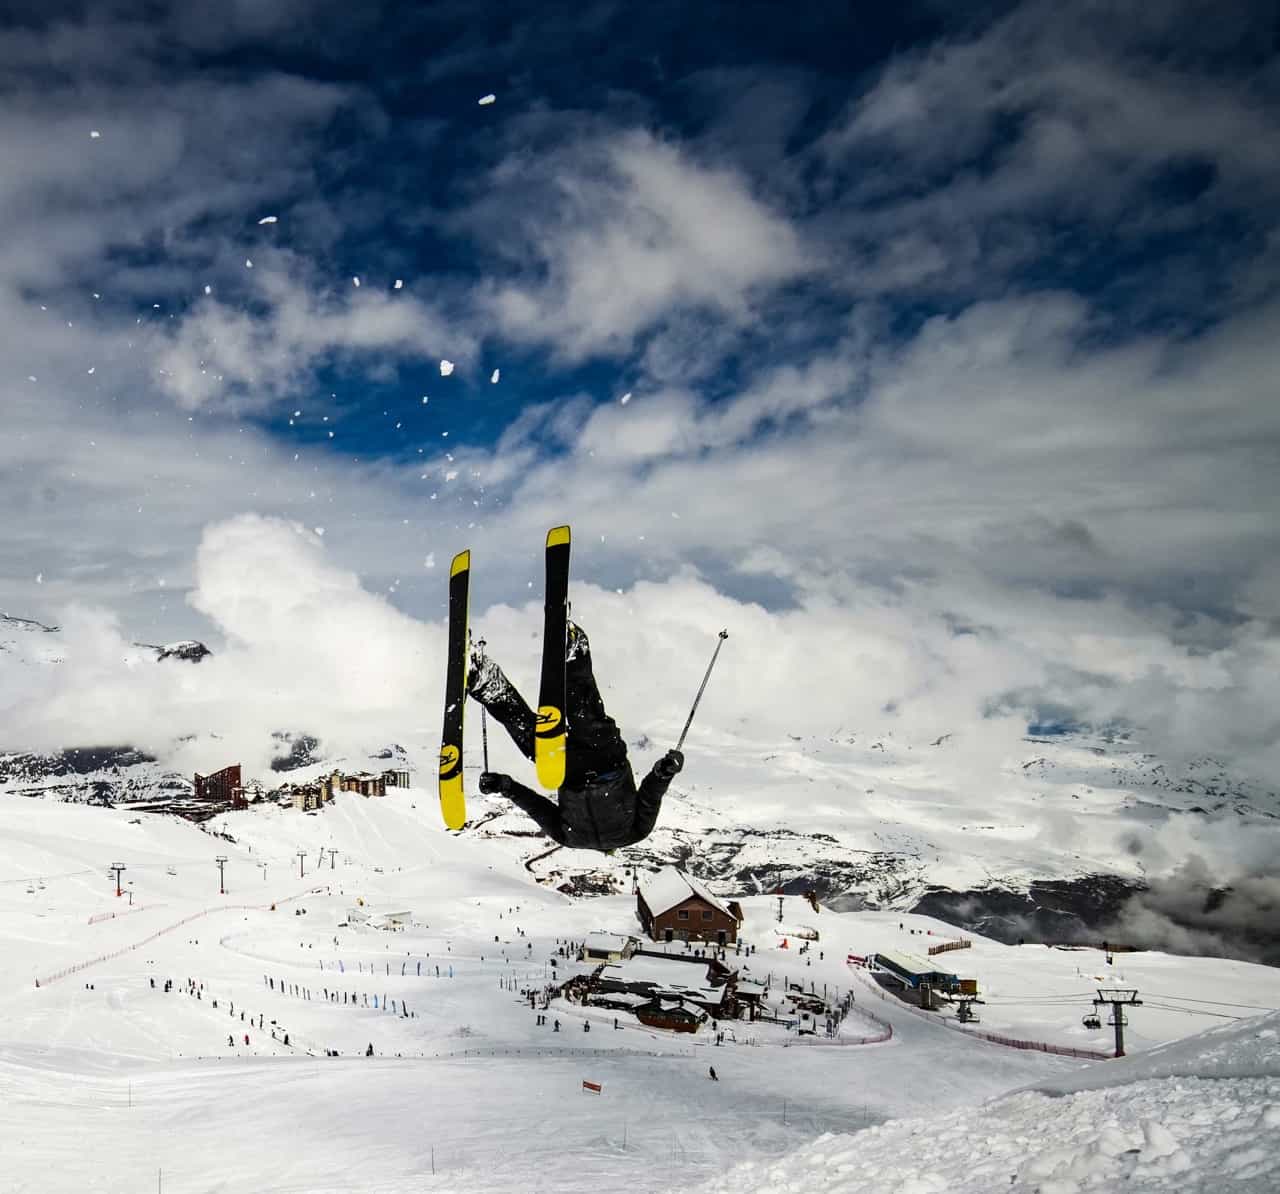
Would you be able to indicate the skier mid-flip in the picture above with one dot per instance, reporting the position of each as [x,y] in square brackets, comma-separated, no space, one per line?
[600,806]
[573,742]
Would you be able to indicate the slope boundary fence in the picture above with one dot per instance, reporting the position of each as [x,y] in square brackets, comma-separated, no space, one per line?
[947,946]
[76,967]
[878,1038]
[994,1038]
[98,917]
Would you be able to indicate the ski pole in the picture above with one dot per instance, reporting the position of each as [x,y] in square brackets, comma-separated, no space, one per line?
[724,634]
[484,726]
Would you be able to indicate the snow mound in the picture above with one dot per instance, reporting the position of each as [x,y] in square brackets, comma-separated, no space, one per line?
[1244,1049]
[1194,1115]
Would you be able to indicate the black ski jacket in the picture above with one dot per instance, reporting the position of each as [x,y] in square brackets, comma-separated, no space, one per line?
[601,812]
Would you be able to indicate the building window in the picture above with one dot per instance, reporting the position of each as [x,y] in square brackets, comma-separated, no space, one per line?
[683,914]
[706,916]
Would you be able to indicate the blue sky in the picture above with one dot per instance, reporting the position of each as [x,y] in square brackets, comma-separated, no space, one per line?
[928,320]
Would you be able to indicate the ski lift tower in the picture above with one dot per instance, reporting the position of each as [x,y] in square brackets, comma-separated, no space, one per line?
[1117,1000]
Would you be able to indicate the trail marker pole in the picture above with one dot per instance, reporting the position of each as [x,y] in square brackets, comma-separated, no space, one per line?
[221,860]
[724,634]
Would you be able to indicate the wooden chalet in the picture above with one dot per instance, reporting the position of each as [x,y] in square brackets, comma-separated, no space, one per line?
[673,906]
[670,1014]
[607,947]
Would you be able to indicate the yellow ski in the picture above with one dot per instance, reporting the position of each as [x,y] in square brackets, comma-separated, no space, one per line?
[550,734]
[453,800]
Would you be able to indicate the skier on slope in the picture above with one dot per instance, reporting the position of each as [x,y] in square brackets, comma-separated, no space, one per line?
[600,806]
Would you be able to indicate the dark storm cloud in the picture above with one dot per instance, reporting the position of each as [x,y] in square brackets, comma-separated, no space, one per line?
[1197,910]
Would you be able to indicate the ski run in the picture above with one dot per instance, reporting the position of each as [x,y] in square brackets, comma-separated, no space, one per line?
[422,945]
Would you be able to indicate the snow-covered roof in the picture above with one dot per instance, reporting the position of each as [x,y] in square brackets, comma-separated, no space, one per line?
[912,963]
[605,943]
[670,887]
[668,974]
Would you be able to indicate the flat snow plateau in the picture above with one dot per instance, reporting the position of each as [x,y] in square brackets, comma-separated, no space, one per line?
[110,1084]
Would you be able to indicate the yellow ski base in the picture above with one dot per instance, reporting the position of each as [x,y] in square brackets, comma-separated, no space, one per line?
[557,535]
[453,803]
[549,747]
[549,760]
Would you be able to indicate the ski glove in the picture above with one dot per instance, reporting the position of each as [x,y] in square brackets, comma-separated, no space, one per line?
[493,781]
[670,764]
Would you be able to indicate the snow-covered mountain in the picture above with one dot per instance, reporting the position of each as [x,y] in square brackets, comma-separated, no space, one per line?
[1067,838]
[25,640]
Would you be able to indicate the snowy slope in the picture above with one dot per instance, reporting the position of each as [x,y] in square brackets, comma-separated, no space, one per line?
[1199,1115]
[147,1084]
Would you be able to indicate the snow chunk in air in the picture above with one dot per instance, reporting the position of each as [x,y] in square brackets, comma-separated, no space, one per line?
[446,367]
[487,99]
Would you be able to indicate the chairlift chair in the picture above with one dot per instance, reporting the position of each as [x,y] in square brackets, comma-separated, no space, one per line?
[1092,1021]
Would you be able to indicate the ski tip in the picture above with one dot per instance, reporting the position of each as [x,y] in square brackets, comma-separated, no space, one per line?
[461,563]
[557,536]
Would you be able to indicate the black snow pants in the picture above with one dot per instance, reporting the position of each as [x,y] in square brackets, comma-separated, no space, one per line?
[594,742]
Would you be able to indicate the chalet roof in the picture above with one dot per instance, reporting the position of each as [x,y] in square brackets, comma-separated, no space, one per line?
[670,886]
[911,964]
[605,942]
[670,973]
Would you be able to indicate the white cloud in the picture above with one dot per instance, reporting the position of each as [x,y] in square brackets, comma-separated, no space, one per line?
[626,230]
[1006,471]
[231,356]
[306,647]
